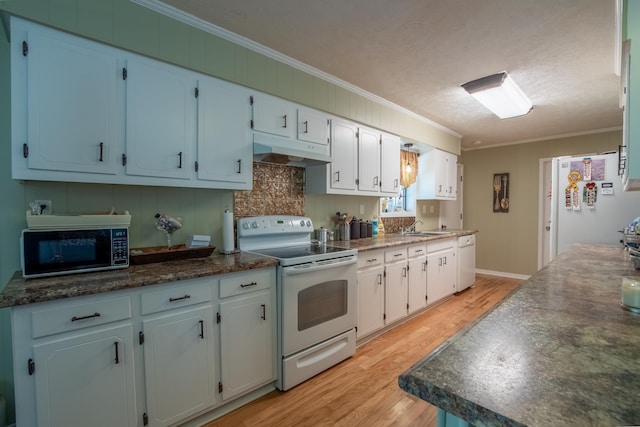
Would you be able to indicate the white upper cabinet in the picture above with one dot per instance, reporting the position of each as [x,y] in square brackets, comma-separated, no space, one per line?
[86,112]
[344,149]
[224,140]
[313,126]
[273,116]
[70,92]
[437,176]
[368,160]
[161,120]
[390,165]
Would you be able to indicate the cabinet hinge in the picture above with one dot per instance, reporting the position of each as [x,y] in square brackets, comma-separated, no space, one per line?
[251,123]
[407,306]
[141,338]
[384,316]
[31,366]
[124,73]
[220,387]
[357,181]
[145,419]
[124,160]
[196,166]
[196,92]
[25,48]
[251,100]
[384,273]
[217,317]
[25,150]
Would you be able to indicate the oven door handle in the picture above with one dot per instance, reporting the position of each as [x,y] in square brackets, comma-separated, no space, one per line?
[318,266]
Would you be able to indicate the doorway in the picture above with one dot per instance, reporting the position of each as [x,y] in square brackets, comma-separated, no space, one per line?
[451,210]
[544,212]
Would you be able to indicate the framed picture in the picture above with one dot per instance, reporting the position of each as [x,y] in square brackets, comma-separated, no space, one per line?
[501,192]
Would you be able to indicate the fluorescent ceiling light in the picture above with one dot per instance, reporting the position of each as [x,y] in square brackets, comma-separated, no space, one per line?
[499,94]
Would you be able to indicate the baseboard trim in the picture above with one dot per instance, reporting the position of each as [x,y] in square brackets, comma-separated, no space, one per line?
[503,274]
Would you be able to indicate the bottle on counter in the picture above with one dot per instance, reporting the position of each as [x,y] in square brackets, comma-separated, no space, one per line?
[374,226]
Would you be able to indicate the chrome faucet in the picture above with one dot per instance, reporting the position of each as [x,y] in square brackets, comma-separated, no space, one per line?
[412,227]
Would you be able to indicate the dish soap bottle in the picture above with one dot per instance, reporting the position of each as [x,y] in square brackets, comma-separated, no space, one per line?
[374,231]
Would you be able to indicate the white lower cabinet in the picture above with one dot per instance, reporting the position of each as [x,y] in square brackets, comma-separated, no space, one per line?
[179,364]
[396,284]
[441,269]
[370,292]
[76,362]
[417,295]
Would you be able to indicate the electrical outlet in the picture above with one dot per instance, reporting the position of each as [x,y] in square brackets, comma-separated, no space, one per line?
[43,207]
[361,209]
[430,209]
[424,209]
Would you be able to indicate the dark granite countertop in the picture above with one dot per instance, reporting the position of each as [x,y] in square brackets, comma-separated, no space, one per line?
[385,241]
[558,351]
[20,291]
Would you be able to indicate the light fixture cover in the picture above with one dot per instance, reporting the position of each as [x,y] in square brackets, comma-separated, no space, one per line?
[499,93]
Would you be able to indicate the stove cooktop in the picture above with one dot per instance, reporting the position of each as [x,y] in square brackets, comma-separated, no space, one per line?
[292,252]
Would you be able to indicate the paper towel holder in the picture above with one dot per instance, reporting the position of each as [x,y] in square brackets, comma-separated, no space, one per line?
[228,234]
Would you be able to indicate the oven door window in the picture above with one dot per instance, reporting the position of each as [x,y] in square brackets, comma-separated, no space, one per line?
[321,303]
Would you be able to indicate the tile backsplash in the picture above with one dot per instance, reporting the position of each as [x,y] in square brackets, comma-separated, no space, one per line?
[277,190]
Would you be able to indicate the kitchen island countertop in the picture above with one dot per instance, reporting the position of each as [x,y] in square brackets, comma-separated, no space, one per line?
[384,241]
[559,351]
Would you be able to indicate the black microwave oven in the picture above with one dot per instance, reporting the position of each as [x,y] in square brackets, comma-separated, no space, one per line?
[53,252]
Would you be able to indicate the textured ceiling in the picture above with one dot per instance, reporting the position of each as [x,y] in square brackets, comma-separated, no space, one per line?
[417,53]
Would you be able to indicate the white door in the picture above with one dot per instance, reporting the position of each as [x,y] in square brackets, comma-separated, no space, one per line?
[161,120]
[370,300]
[179,364]
[100,392]
[344,152]
[246,342]
[451,210]
[225,148]
[368,160]
[544,213]
[396,283]
[417,298]
[74,120]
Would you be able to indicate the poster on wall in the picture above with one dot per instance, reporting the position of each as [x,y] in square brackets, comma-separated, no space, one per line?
[501,192]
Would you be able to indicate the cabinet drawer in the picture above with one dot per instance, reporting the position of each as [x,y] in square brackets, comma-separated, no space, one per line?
[440,245]
[417,250]
[241,283]
[70,316]
[397,254]
[182,294]
[370,258]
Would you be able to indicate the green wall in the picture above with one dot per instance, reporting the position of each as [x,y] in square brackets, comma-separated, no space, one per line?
[508,242]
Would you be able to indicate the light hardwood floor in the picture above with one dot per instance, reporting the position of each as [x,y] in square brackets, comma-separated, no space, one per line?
[363,390]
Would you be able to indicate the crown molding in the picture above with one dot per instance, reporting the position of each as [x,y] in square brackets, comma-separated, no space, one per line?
[194,21]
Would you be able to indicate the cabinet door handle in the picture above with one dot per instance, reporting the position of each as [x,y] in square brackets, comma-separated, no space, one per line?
[439,262]
[375,181]
[180,160]
[201,329]
[101,145]
[285,121]
[404,271]
[337,176]
[186,296]
[395,183]
[379,279]
[239,165]
[445,260]
[248,285]
[306,126]
[75,318]
[117,353]
[263,308]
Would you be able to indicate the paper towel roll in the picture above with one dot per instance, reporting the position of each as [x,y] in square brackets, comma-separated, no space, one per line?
[228,244]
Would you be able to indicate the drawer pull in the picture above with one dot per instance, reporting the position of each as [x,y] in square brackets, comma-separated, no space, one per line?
[201,328]
[117,355]
[372,259]
[263,307]
[396,255]
[248,285]
[75,318]
[186,296]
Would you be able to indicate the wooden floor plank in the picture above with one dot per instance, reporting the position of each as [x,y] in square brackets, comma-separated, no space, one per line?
[363,390]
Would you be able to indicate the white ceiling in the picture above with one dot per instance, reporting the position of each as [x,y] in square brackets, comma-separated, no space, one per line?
[417,53]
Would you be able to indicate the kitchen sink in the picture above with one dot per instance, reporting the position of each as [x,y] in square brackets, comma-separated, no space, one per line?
[427,233]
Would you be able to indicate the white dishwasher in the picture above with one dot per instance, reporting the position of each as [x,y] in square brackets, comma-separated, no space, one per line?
[466,262]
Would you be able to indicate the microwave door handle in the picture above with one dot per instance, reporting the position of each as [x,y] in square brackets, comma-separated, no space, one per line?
[293,270]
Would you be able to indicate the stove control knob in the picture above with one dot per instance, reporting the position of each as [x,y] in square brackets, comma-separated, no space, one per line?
[245,225]
[302,223]
[308,223]
[254,224]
